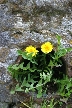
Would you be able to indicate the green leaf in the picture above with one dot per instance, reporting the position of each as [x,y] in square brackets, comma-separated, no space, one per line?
[58,38]
[18,88]
[16,67]
[31,86]
[28,66]
[10,70]
[26,90]
[41,75]
[39,95]
[27,84]
[25,68]
[29,77]
[69,49]
[65,86]
[51,63]
[44,76]
[21,65]
[19,52]
[24,82]
[32,70]
[12,92]
[25,56]
[39,84]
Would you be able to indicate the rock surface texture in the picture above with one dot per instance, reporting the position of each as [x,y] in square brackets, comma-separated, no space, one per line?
[24,22]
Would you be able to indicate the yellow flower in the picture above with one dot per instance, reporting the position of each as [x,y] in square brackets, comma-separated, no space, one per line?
[46,47]
[31,49]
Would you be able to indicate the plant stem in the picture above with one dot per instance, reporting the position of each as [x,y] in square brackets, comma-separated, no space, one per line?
[25,104]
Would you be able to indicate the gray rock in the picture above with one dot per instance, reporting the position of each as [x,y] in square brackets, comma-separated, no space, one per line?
[3,105]
[24,22]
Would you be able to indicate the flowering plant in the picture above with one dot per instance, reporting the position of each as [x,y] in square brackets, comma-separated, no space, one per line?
[37,67]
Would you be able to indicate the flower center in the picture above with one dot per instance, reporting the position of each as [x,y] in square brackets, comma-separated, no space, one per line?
[46,47]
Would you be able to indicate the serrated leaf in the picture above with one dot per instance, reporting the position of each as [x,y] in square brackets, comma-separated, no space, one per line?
[19,52]
[27,84]
[69,49]
[44,76]
[58,38]
[25,56]
[31,86]
[41,75]
[38,86]
[39,95]
[29,77]
[32,70]
[12,92]
[33,61]
[21,65]
[28,66]
[51,63]
[39,92]
[15,67]
[24,82]
[18,88]
[26,90]
[10,70]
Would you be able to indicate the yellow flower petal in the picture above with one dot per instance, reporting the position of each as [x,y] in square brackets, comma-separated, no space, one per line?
[46,47]
[31,49]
